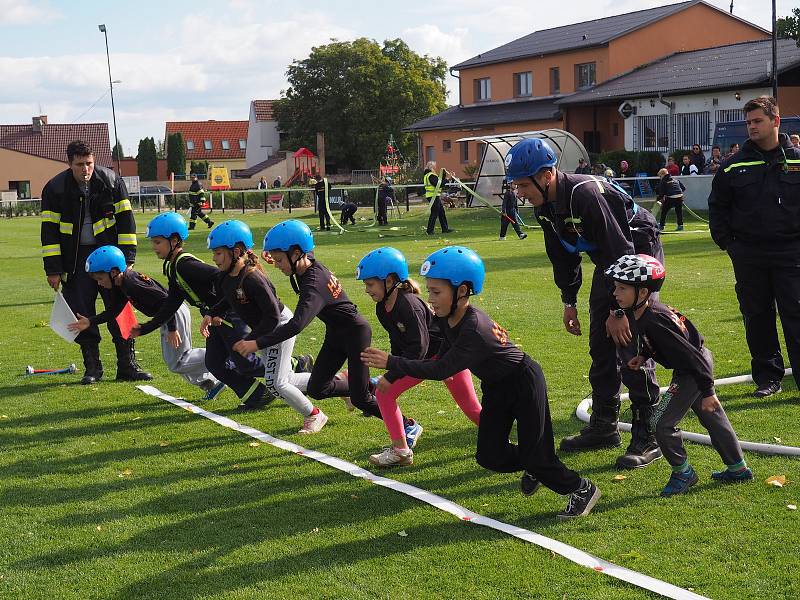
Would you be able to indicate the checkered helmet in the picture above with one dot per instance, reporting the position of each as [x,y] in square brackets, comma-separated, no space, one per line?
[639,270]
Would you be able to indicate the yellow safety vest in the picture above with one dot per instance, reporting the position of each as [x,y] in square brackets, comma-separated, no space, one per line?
[430,189]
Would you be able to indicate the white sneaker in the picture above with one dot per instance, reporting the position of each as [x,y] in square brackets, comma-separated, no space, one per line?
[314,423]
[502,238]
[392,457]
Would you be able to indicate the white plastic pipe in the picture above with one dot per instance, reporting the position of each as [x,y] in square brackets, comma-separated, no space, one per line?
[582,412]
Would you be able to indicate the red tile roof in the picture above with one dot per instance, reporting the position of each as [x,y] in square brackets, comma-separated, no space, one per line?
[264,110]
[54,138]
[215,131]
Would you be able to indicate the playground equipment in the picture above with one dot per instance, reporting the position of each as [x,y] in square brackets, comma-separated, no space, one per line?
[305,166]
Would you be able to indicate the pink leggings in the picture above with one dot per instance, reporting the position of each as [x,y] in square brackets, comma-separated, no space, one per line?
[461,389]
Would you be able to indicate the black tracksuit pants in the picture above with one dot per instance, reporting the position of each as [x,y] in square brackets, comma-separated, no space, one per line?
[80,291]
[666,205]
[522,397]
[505,221]
[344,344]
[324,217]
[437,212]
[382,217]
[244,375]
[762,281]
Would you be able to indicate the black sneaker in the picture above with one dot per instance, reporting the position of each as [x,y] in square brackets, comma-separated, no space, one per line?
[582,501]
[251,406]
[528,484]
[637,458]
[773,387]
[523,235]
[449,231]
[305,363]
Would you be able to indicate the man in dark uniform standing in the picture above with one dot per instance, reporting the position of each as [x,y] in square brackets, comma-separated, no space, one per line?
[583,213]
[754,215]
[197,196]
[84,207]
[385,195]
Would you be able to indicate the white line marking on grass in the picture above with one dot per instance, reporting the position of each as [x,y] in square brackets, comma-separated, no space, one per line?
[569,552]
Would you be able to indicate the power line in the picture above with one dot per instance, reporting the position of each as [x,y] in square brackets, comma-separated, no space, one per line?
[75,120]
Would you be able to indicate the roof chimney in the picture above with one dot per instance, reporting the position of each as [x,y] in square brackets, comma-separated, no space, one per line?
[39,123]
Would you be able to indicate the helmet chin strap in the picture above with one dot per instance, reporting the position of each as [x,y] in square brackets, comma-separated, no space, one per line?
[456,298]
[293,276]
[542,190]
[387,292]
[638,305]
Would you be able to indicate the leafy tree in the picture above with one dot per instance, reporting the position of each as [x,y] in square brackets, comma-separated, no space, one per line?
[117,153]
[789,27]
[199,167]
[176,155]
[358,93]
[161,149]
[146,160]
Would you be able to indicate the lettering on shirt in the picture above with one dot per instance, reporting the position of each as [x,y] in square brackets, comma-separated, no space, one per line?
[334,286]
[500,333]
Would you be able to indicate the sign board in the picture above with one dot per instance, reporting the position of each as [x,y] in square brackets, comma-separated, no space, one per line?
[218,177]
[132,183]
[626,109]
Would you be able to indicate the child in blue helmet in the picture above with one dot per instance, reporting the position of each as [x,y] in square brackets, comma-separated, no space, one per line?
[662,333]
[245,288]
[106,265]
[512,383]
[414,334]
[347,332]
[193,281]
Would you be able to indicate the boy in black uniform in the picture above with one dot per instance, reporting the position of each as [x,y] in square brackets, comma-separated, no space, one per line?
[513,385]
[197,196]
[320,192]
[582,213]
[84,207]
[348,212]
[665,335]
[509,213]
[192,280]
[385,194]
[670,192]
[106,265]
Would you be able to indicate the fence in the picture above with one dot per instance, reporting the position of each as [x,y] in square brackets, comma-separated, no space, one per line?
[20,208]
[698,188]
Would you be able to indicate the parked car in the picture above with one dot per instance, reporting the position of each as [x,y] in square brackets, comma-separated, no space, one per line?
[154,190]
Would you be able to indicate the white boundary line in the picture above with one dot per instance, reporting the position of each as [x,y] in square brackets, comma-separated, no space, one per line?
[582,412]
[569,552]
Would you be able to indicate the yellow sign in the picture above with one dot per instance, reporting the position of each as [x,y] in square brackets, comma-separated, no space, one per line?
[219,179]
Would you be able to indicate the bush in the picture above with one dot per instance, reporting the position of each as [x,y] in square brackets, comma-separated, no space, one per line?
[649,162]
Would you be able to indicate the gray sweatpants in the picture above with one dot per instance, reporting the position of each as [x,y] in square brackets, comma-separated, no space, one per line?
[279,377]
[682,395]
[188,362]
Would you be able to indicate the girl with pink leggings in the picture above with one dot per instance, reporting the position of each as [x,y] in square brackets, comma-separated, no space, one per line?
[413,334]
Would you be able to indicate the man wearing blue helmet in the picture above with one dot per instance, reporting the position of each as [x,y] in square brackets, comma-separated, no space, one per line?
[512,383]
[106,266]
[583,213]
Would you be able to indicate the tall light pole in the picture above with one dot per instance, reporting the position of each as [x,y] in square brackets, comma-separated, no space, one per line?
[102,28]
[774,53]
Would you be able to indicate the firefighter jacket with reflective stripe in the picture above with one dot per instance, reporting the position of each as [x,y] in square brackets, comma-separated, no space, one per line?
[755,198]
[63,210]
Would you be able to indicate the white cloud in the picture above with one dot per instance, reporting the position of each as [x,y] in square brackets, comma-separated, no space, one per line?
[20,12]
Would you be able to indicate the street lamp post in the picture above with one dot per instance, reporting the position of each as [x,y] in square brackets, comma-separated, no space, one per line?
[102,28]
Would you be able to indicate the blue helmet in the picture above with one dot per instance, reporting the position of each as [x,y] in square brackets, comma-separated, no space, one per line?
[104,259]
[289,233]
[458,265]
[382,262]
[166,224]
[527,157]
[230,233]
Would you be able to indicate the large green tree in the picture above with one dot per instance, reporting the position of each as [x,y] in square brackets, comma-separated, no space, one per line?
[117,153]
[358,93]
[789,27]
[146,160]
[176,154]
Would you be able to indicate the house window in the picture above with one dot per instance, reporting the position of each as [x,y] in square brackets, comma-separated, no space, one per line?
[483,89]
[464,151]
[226,145]
[430,154]
[692,128]
[555,81]
[652,133]
[447,146]
[242,144]
[731,114]
[523,84]
[189,145]
[585,75]
[207,144]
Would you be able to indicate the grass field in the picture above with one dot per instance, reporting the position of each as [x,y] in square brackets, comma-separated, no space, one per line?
[108,493]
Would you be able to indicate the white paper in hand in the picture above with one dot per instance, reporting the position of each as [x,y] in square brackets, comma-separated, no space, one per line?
[61,316]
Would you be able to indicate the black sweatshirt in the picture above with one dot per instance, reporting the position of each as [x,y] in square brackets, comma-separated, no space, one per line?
[476,343]
[145,294]
[599,213]
[669,338]
[200,277]
[321,295]
[413,333]
[254,299]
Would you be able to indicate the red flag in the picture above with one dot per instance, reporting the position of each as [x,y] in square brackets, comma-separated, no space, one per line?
[126,321]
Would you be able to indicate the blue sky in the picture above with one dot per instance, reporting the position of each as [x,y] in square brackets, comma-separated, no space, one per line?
[195,60]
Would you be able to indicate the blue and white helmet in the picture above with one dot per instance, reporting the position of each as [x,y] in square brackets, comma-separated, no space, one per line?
[456,264]
[104,259]
[289,233]
[230,233]
[381,263]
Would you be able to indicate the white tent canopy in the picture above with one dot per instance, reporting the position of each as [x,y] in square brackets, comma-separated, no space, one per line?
[492,169]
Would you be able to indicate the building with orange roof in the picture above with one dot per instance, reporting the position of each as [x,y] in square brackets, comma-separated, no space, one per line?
[221,143]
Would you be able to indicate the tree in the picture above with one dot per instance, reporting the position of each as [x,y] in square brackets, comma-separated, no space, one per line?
[789,27]
[161,150]
[358,93]
[117,153]
[146,160]
[176,155]
[199,167]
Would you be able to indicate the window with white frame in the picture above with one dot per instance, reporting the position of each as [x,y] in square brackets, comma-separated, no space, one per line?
[483,89]
[523,84]
[242,144]
[652,133]
[207,144]
[585,75]
[189,145]
[692,128]
[226,145]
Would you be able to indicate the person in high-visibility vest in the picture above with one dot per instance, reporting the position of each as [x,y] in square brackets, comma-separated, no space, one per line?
[433,196]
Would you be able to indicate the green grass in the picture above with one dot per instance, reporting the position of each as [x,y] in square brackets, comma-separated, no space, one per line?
[199,513]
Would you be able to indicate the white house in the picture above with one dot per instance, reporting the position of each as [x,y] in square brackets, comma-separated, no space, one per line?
[263,139]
